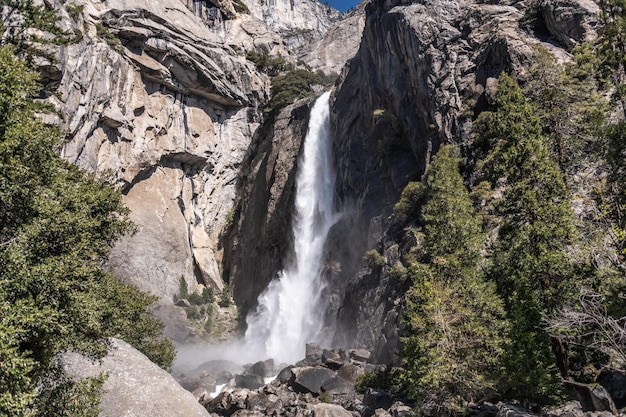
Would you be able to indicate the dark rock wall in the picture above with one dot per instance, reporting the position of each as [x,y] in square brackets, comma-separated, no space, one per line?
[260,237]
[422,72]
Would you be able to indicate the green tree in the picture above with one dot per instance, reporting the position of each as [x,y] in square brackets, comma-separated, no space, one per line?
[31,29]
[530,266]
[57,225]
[454,320]
[570,107]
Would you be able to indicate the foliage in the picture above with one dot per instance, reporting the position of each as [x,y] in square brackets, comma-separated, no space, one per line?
[374,260]
[411,200]
[386,379]
[612,48]
[293,85]
[31,29]
[592,326]
[568,103]
[530,265]
[454,320]
[57,225]
[225,298]
[272,66]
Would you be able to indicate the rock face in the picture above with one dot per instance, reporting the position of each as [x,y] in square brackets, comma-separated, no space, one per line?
[571,22]
[135,386]
[156,99]
[338,45]
[261,233]
[298,22]
[421,71]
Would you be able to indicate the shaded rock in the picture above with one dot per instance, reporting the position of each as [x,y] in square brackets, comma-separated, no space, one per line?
[249,381]
[350,372]
[262,227]
[570,21]
[614,381]
[330,410]
[362,355]
[205,383]
[374,399]
[135,386]
[286,376]
[332,359]
[224,377]
[399,409]
[513,410]
[340,390]
[263,368]
[227,403]
[310,379]
[592,397]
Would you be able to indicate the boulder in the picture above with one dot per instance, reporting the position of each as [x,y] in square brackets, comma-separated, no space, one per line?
[135,386]
[513,410]
[332,359]
[249,381]
[330,410]
[227,403]
[339,389]
[310,379]
[592,397]
[286,376]
[614,381]
[361,355]
[263,368]
[374,399]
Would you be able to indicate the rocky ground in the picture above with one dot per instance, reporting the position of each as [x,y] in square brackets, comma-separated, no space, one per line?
[325,384]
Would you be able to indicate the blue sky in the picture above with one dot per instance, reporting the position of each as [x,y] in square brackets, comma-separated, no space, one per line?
[342,5]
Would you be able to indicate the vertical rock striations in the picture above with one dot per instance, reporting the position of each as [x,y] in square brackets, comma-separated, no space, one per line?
[260,235]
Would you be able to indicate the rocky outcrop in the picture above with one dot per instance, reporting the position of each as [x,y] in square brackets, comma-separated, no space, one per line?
[298,22]
[134,385]
[571,22]
[155,100]
[261,232]
[422,71]
[338,45]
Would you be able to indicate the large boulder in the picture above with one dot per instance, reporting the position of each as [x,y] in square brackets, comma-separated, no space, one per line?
[135,386]
[330,410]
[311,379]
[614,381]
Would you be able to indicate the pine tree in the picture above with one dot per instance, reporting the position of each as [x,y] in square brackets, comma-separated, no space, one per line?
[57,225]
[454,319]
[530,264]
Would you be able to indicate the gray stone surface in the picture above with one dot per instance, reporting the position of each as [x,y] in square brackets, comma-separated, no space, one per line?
[135,386]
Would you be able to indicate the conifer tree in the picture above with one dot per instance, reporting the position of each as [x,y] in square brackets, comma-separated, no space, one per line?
[530,264]
[454,319]
[57,225]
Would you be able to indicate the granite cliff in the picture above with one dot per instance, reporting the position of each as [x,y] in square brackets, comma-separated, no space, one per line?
[161,98]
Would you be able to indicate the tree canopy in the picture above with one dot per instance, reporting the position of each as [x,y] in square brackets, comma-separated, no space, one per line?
[57,224]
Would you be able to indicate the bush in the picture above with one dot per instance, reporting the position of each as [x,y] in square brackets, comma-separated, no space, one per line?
[412,198]
[374,260]
[293,85]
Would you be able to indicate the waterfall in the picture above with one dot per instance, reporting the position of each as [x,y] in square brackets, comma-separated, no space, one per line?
[290,311]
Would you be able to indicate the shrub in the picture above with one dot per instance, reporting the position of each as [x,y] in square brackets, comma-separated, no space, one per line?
[374,260]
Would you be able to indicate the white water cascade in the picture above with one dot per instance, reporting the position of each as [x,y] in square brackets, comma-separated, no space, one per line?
[290,311]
